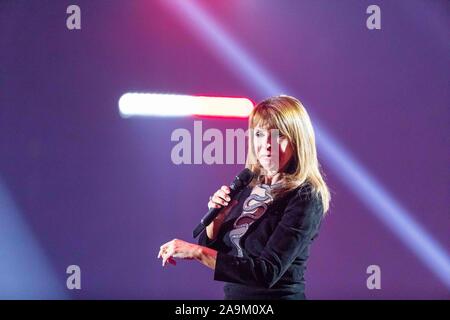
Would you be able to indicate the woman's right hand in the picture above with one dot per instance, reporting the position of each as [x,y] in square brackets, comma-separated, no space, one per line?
[220,198]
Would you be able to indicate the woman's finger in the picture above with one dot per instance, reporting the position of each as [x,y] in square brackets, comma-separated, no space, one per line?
[225,189]
[218,200]
[161,251]
[165,247]
[166,256]
[213,205]
[222,194]
[165,244]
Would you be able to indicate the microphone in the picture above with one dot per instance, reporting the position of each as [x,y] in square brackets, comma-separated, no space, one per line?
[239,183]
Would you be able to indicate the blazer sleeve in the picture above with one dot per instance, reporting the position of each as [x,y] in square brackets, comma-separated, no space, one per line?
[298,225]
[203,240]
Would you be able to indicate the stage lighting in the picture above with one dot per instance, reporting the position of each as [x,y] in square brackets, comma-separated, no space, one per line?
[169,105]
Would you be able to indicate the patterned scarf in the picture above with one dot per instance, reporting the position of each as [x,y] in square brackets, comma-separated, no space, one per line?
[254,208]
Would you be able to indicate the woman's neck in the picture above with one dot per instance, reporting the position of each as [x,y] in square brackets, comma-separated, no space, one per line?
[272,178]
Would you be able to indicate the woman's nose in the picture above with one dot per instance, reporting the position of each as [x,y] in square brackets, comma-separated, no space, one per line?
[269,141]
[267,144]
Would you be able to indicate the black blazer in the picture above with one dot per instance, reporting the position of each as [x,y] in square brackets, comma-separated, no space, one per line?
[275,248]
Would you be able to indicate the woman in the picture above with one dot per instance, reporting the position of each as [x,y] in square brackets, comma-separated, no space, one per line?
[259,244]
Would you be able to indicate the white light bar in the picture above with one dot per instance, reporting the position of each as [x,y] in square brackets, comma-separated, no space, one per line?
[170,105]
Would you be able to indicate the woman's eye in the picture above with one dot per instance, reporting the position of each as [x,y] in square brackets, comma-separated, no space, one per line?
[259,134]
[281,136]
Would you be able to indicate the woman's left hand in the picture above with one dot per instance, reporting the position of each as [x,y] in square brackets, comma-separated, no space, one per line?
[177,249]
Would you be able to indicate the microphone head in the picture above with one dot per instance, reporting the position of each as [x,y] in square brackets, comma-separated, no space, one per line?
[246,176]
[243,178]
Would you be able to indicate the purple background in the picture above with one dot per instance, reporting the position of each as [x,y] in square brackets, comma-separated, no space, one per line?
[92,189]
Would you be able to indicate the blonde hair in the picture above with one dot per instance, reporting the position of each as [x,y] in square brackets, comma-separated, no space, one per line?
[289,116]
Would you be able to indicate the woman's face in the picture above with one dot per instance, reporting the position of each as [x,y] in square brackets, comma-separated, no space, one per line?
[266,144]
